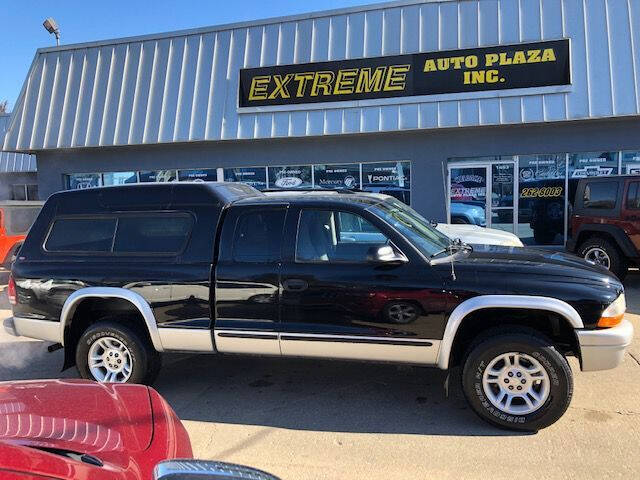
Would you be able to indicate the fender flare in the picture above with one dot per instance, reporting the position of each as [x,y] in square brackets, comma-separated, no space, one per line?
[617,234]
[481,302]
[69,308]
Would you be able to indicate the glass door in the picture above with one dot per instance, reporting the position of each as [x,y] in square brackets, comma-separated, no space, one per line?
[468,194]
[483,194]
[502,197]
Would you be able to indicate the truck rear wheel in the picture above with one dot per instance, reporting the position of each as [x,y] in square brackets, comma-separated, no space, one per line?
[517,380]
[109,352]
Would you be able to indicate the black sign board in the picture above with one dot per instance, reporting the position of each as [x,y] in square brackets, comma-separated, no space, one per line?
[502,67]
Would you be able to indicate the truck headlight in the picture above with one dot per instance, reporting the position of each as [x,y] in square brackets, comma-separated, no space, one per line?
[613,314]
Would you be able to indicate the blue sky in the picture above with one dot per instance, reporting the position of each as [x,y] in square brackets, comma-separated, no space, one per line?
[21,31]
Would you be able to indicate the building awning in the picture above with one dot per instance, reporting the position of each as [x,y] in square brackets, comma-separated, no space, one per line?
[184,86]
[11,162]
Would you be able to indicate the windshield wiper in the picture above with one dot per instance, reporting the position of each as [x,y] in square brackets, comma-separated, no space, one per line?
[453,247]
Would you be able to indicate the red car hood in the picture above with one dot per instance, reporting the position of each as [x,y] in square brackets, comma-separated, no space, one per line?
[77,415]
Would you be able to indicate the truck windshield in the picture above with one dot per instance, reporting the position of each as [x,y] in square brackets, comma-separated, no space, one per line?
[413,226]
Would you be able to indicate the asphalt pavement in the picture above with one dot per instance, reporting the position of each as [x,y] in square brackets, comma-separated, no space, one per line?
[310,419]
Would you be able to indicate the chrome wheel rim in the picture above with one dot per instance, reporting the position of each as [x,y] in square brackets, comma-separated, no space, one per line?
[402,313]
[516,383]
[598,256]
[109,360]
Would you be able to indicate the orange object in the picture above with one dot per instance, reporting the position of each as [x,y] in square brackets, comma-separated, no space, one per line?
[16,218]
[610,321]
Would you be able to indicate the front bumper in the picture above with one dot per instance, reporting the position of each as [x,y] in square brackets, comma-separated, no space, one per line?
[604,348]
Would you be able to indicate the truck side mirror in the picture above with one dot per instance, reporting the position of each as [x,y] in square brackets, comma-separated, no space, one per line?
[385,254]
[189,469]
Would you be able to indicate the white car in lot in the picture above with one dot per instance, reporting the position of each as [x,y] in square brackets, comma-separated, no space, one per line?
[475,234]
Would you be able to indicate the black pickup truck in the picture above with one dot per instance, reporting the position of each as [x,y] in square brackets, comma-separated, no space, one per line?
[118,275]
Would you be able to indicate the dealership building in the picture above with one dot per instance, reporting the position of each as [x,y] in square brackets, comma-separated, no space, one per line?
[482,111]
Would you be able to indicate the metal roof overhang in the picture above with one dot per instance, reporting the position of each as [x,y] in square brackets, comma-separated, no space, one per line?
[183,86]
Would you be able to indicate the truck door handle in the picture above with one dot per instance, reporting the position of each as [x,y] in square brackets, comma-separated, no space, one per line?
[295,285]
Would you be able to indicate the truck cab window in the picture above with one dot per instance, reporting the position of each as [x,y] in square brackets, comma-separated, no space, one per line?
[258,236]
[331,236]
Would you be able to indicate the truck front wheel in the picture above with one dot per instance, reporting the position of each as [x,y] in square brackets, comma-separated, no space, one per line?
[109,352]
[516,379]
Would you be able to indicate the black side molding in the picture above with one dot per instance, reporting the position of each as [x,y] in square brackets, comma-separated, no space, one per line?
[391,341]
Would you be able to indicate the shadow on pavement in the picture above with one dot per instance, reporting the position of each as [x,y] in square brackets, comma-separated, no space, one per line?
[314,395]
[632,290]
[295,394]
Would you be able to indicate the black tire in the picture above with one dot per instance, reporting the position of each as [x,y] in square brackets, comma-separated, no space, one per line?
[459,221]
[533,344]
[145,361]
[617,263]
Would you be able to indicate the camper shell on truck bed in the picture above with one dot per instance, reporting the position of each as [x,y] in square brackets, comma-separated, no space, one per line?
[118,275]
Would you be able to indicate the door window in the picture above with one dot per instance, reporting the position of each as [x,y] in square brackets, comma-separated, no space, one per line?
[258,236]
[332,236]
[633,199]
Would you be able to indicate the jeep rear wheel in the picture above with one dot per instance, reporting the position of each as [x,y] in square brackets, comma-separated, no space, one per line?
[602,252]
[109,352]
[516,379]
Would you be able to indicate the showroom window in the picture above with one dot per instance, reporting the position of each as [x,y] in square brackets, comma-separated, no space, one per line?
[391,178]
[291,176]
[198,175]
[541,199]
[337,176]
[119,178]
[546,186]
[80,181]
[631,163]
[147,176]
[253,176]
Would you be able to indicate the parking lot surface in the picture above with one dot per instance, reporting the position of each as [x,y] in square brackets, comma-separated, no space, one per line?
[306,419]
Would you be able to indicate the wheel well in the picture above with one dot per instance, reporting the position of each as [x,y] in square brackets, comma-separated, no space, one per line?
[552,325]
[93,309]
[587,235]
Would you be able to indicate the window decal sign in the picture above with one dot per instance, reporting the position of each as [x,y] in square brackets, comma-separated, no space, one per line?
[254,176]
[501,67]
[290,177]
[337,176]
